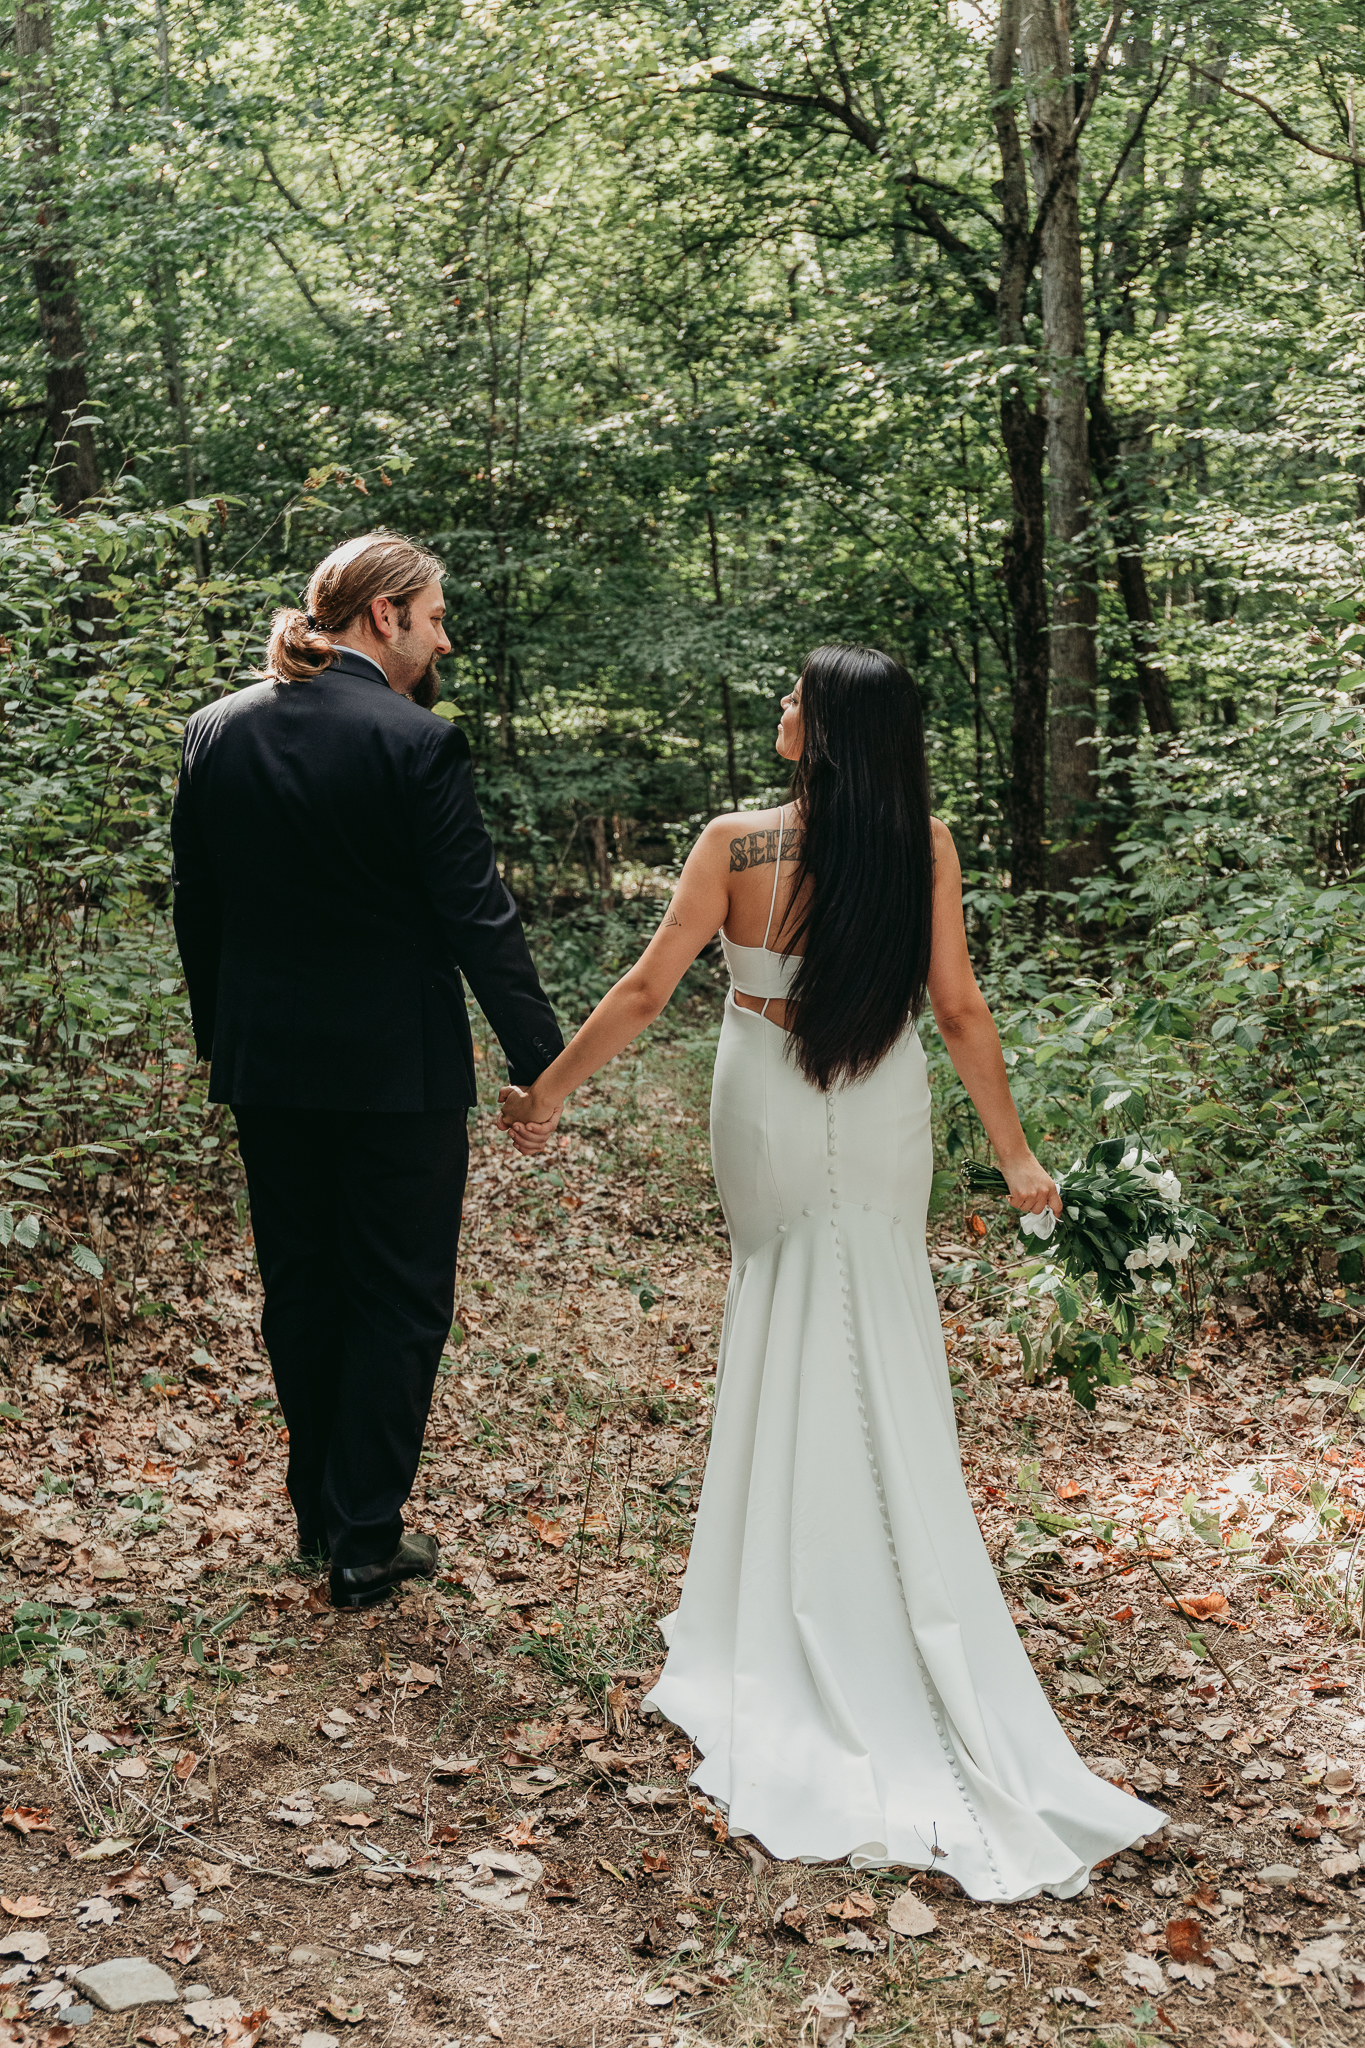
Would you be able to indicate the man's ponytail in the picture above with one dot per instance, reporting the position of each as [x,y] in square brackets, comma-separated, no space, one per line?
[296,651]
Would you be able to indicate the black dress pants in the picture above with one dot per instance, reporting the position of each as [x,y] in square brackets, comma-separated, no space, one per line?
[356,1216]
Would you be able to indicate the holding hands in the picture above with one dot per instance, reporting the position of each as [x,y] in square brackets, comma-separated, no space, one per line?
[531,1119]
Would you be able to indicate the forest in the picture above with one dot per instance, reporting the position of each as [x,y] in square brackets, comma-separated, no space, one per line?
[690,338]
[1024,341]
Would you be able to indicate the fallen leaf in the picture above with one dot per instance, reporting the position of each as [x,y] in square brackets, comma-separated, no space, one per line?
[96,1912]
[856,1906]
[791,1916]
[444,1831]
[295,1811]
[1201,1606]
[208,1877]
[28,1948]
[831,2017]
[454,1766]
[654,1860]
[355,1820]
[1144,1973]
[618,1706]
[182,1951]
[389,1774]
[1071,1994]
[911,1917]
[550,1533]
[521,1834]
[28,1820]
[349,2015]
[27,1907]
[419,1677]
[326,1856]
[1186,1941]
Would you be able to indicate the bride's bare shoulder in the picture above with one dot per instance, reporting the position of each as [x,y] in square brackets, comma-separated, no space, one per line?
[941,839]
[749,839]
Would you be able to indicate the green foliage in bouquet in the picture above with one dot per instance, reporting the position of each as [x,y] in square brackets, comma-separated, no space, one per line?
[1121,1218]
[1121,1221]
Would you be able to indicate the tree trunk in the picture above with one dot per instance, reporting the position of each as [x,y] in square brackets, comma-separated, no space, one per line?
[597,828]
[74,466]
[1045,59]
[1152,681]
[1023,433]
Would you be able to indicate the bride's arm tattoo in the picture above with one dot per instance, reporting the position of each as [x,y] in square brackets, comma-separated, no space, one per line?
[759,849]
[672,919]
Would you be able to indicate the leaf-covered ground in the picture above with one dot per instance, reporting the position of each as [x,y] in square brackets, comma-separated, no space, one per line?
[445,1821]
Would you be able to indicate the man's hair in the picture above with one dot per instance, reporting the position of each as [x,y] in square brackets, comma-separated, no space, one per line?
[339,591]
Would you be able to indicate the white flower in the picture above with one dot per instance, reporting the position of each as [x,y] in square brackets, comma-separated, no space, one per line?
[1042,1225]
[1158,1251]
[1184,1244]
[1137,1259]
[1165,1182]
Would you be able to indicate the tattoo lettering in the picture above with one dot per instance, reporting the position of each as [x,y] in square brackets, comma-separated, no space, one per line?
[759,849]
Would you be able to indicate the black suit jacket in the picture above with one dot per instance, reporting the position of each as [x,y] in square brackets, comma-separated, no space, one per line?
[333,880]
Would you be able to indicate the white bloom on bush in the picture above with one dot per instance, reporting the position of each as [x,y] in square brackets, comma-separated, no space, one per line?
[1138,1258]
[1042,1225]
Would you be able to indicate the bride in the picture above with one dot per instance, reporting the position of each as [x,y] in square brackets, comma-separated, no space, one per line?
[842,1655]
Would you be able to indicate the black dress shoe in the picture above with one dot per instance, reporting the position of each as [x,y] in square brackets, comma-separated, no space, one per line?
[360,1585]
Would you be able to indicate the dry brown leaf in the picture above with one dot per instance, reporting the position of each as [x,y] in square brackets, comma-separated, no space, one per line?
[355,1820]
[28,1906]
[454,1766]
[910,1916]
[208,1877]
[28,1820]
[856,1906]
[618,1706]
[326,1855]
[551,1534]
[1201,1606]
[389,1774]
[182,1951]
[1186,1942]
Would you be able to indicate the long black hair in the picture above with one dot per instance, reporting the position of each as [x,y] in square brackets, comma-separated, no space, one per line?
[862,785]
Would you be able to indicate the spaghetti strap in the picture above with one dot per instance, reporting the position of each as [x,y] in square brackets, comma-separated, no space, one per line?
[777,873]
[777,870]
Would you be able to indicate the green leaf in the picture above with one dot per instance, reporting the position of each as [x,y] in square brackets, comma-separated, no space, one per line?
[82,1256]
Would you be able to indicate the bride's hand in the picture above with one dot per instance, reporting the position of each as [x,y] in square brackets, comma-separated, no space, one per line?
[1032,1188]
[530,1122]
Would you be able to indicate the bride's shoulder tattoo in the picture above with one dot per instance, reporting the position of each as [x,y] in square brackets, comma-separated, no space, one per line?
[759,849]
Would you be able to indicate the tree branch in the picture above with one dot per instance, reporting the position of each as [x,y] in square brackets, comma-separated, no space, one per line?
[1239,92]
[332,326]
[846,114]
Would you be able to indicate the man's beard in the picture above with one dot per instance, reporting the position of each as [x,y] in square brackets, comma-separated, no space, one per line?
[427,688]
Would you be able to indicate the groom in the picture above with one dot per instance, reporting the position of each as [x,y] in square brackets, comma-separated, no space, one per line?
[333,880]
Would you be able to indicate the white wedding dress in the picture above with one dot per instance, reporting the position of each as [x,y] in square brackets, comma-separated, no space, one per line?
[841,1654]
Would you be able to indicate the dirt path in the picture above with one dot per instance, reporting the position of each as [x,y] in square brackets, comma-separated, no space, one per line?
[446,1821]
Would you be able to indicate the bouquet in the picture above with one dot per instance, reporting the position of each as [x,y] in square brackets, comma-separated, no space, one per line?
[1121,1218]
